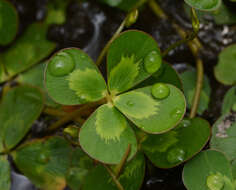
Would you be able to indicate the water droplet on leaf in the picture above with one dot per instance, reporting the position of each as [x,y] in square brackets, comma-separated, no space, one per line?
[185,123]
[43,158]
[215,181]
[175,155]
[160,90]
[152,62]
[61,65]
[176,113]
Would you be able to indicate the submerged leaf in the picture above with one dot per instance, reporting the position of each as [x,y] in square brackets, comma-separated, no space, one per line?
[122,75]
[87,84]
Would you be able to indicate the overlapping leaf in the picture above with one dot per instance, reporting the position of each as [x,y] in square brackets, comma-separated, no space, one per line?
[133,45]
[45,162]
[178,145]
[210,169]
[131,178]
[204,5]
[20,107]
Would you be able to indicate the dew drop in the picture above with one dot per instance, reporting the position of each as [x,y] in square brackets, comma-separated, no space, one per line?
[185,123]
[215,181]
[160,90]
[175,155]
[129,103]
[176,113]
[43,158]
[152,62]
[61,65]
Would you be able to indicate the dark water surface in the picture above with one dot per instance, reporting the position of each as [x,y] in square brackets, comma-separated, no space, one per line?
[90,25]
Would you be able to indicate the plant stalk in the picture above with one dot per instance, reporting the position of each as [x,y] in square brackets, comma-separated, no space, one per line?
[67,118]
[115,180]
[121,165]
[194,45]
[125,23]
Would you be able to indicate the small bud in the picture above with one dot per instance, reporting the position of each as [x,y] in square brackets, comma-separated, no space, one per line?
[131,18]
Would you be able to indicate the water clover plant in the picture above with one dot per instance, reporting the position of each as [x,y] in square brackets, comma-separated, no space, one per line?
[8,22]
[131,58]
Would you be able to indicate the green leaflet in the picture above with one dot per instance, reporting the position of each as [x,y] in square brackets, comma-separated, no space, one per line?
[226,67]
[110,123]
[8,22]
[204,5]
[122,75]
[111,150]
[143,106]
[5,176]
[88,84]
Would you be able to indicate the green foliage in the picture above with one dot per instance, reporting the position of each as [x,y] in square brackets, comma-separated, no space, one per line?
[45,162]
[8,22]
[18,110]
[123,75]
[88,84]
[226,68]
[131,178]
[28,50]
[166,74]
[34,77]
[107,145]
[204,5]
[189,79]
[223,135]
[229,100]
[178,145]
[208,171]
[150,114]
[71,87]
[5,175]
[128,44]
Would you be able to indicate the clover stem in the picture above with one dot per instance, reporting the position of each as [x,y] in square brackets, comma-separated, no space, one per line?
[121,165]
[59,113]
[194,45]
[125,23]
[105,49]
[67,118]
[115,180]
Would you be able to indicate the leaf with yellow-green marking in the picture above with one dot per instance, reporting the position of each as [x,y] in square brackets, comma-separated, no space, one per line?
[72,78]
[110,134]
[122,75]
[137,105]
[88,84]
[110,123]
[150,114]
